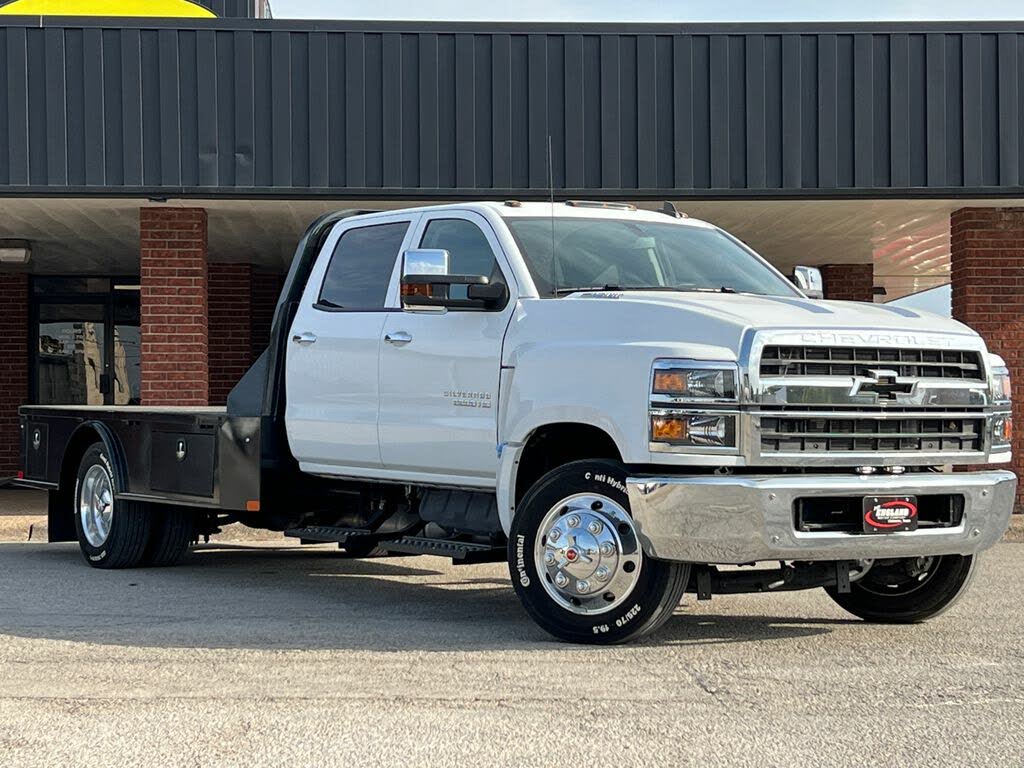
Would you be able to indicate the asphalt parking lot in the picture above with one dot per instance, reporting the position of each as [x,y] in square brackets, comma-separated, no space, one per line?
[257,655]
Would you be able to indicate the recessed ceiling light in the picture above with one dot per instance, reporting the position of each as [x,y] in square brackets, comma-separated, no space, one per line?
[15,251]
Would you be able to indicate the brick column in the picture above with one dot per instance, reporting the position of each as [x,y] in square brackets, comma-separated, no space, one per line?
[172,260]
[231,318]
[14,343]
[849,282]
[988,295]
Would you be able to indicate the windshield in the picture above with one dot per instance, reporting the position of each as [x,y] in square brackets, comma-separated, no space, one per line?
[620,254]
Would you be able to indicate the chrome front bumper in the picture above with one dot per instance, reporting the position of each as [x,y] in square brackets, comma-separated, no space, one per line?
[746,519]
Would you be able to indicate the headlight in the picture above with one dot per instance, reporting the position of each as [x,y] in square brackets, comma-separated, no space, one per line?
[700,430]
[1002,430]
[686,381]
[687,399]
[1001,390]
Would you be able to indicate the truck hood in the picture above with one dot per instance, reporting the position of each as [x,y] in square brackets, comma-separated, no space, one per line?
[779,312]
[713,326]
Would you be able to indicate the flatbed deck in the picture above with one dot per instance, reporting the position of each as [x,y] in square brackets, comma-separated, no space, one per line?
[130,409]
[191,456]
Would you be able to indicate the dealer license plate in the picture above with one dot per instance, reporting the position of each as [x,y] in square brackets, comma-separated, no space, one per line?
[890,514]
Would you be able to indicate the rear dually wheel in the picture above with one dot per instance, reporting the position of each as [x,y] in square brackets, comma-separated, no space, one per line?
[111,533]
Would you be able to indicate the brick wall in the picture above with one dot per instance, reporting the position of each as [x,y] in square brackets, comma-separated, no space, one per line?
[14,371]
[172,260]
[266,288]
[988,294]
[231,317]
[242,303]
[849,282]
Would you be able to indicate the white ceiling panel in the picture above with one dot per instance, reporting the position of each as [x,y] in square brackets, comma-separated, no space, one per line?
[908,241]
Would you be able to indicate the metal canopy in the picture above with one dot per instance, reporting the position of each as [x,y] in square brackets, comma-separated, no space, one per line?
[347,110]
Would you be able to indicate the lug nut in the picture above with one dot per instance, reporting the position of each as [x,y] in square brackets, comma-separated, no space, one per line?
[549,557]
[561,579]
[595,527]
[607,549]
[573,522]
[602,574]
[583,586]
[555,534]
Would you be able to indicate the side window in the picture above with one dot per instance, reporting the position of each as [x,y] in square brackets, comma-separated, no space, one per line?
[470,252]
[360,269]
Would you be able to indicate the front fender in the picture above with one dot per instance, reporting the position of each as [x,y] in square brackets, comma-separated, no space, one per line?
[598,383]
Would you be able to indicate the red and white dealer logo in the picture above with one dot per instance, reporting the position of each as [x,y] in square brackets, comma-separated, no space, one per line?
[891,514]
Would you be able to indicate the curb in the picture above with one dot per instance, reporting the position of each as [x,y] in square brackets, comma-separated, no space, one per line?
[19,529]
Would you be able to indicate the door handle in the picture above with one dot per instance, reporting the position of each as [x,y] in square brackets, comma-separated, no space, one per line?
[398,338]
[305,339]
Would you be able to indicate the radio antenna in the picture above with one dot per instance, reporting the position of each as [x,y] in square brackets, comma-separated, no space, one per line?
[551,190]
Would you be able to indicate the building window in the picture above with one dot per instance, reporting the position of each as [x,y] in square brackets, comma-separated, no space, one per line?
[86,341]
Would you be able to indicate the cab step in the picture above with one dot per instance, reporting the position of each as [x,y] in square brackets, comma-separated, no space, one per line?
[461,552]
[327,534]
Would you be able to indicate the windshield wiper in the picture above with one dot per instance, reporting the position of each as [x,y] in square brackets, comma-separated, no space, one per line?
[723,289]
[614,288]
[662,288]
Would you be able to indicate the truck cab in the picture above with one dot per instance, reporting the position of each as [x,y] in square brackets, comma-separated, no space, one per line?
[619,402]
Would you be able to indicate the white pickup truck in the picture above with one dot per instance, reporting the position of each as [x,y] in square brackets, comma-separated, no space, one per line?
[619,402]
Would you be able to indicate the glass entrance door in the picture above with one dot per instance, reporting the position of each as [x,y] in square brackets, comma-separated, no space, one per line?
[86,347]
[126,381]
[70,363]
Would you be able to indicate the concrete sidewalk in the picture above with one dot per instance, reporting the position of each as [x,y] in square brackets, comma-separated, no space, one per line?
[23,518]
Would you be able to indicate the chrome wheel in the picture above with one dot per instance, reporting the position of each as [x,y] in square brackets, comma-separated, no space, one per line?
[96,505]
[587,554]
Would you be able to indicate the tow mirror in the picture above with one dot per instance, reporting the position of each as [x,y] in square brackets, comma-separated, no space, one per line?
[427,284]
[810,281]
[425,261]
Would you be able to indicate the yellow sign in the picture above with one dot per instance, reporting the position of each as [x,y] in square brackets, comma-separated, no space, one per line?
[161,8]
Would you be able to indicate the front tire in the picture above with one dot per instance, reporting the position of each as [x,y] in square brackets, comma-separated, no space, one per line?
[111,534]
[908,591]
[577,564]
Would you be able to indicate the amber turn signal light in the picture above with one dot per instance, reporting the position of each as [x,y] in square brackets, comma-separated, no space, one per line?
[666,429]
[417,289]
[670,382]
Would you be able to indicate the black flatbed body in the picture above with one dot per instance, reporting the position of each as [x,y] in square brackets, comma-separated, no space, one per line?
[219,459]
[197,457]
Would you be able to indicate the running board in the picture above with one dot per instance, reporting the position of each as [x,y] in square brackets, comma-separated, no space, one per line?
[461,552]
[327,534]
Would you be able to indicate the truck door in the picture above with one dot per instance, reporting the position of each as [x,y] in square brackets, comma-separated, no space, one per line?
[440,370]
[334,348]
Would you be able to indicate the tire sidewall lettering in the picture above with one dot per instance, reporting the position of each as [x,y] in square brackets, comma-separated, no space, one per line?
[93,555]
[607,479]
[524,577]
[635,611]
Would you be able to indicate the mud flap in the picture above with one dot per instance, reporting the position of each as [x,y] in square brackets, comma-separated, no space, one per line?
[60,523]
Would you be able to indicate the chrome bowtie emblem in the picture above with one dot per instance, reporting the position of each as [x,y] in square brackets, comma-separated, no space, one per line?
[882,376]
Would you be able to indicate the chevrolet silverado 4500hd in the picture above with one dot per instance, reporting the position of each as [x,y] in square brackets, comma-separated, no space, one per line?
[617,401]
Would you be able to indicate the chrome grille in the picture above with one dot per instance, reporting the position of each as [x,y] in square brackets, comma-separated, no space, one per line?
[799,433]
[859,361]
